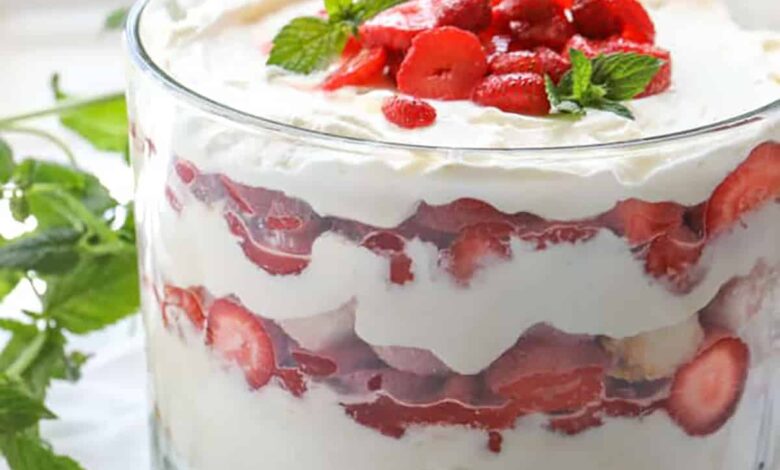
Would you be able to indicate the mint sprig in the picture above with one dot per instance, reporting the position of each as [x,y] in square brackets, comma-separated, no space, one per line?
[308,43]
[602,83]
[82,250]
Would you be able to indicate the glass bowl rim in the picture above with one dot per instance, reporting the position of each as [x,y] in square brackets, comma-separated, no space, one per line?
[145,63]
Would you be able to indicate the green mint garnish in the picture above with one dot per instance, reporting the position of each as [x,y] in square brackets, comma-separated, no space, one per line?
[116,19]
[602,83]
[309,43]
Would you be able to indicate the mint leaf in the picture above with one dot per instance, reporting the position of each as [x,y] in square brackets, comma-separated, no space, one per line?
[8,281]
[581,73]
[615,107]
[47,251]
[6,162]
[102,123]
[99,291]
[50,363]
[53,206]
[625,75]
[20,208]
[336,8]
[553,95]
[308,43]
[24,452]
[116,19]
[19,410]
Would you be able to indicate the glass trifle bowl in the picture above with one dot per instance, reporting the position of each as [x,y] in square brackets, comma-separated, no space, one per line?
[323,300]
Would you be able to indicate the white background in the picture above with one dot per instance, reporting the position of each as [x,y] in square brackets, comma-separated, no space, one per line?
[103,417]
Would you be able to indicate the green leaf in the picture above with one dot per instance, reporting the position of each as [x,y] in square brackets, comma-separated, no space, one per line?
[552,91]
[8,281]
[615,107]
[98,292]
[50,363]
[71,366]
[625,75]
[582,71]
[19,410]
[20,208]
[53,206]
[87,188]
[46,251]
[367,9]
[6,162]
[25,452]
[116,19]
[102,123]
[308,43]
[337,8]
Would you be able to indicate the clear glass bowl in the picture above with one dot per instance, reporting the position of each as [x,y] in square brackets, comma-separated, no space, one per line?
[319,302]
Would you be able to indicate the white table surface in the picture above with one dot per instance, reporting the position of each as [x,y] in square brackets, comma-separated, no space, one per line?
[103,418]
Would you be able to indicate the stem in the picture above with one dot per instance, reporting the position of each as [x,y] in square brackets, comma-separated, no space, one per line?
[59,109]
[28,356]
[46,136]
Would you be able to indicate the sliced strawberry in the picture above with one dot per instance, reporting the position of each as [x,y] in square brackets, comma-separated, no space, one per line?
[515,62]
[187,171]
[240,338]
[662,80]
[365,68]
[549,371]
[674,256]
[271,260]
[553,64]
[390,245]
[589,417]
[535,23]
[521,93]
[556,233]
[177,301]
[459,214]
[314,364]
[755,182]
[642,221]
[443,63]
[395,28]
[352,48]
[476,247]
[590,48]
[407,112]
[705,392]
[602,19]
[173,200]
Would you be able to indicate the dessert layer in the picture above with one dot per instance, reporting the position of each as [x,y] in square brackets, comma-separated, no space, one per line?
[219,49]
[592,287]
[211,421]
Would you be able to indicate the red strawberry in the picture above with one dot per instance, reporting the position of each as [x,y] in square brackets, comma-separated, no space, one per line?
[392,246]
[314,364]
[352,48]
[705,392]
[459,214]
[662,80]
[177,300]
[515,62]
[602,19]
[549,371]
[270,259]
[674,256]
[559,232]
[364,68]
[443,63]
[476,246]
[553,64]
[755,182]
[590,48]
[535,22]
[521,93]
[407,112]
[642,221]
[186,171]
[589,417]
[396,27]
[239,336]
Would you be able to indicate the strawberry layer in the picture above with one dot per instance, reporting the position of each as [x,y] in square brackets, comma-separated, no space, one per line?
[195,247]
[208,419]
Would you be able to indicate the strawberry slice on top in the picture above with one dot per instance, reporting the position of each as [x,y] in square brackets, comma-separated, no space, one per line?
[603,19]
[705,393]
[443,63]
[755,182]
[364,68]
[519,93]
[240,338]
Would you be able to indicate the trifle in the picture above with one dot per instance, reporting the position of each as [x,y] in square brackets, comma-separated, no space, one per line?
[457,234]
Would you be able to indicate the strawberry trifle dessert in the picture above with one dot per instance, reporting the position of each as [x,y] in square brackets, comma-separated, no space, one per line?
[457,234]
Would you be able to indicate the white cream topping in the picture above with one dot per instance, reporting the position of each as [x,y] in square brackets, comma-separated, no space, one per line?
[220,48]
[595,287]
[209,420]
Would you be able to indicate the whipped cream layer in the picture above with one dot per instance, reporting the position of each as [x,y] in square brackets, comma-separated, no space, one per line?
[596,287]
[225,426]
[219,48]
